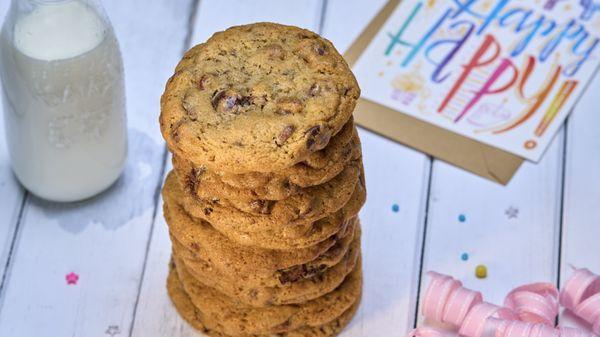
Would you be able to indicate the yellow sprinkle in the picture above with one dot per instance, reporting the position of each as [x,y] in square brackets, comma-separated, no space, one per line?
[481,271]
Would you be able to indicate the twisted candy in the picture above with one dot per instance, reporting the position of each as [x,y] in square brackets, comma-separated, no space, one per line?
[528,311]
[581,295]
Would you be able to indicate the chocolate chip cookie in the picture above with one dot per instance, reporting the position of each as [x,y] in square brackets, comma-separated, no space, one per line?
[294,285]
[257,98]
[312,201]
[229,317]
[200,321]
[318,168]
[244,228]
[287,215]
[196,239]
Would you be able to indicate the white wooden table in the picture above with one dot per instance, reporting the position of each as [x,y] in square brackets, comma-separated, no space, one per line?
[547,218]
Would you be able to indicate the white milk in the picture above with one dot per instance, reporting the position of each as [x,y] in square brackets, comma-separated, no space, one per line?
[64,101]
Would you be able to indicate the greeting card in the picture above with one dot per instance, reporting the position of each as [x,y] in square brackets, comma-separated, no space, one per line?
[502,73]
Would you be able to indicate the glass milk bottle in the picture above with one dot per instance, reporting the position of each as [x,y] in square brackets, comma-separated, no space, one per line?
[64,98]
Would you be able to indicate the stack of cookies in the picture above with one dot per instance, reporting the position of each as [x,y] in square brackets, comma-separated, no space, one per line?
[267,183]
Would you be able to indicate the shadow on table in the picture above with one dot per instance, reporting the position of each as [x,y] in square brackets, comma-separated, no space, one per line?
[131,195]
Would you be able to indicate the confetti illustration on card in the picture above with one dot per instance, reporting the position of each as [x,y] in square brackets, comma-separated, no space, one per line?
[503,72]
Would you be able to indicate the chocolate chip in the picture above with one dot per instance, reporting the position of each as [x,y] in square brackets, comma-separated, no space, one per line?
[207,211]
[287,184]
[204,81]
[226,101]
[195,246]
[261,206]
[320,49]
[175,129]
[297,273]
[289,105]
[285,134]
[292,274]
[317,139]
[192,182]
[314,90]
[245,100]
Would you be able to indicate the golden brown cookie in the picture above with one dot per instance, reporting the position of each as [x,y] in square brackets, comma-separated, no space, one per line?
[231,318]
[197,319]
[297,285]
[317,169]
[241,227]
[257,98]
[290,217]
[196,239]
[249,265]
[314,201]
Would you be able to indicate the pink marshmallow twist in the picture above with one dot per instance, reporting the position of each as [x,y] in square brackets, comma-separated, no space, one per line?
[581,295]
[528,311]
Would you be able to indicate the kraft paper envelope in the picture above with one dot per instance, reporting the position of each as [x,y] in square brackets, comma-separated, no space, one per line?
[481,159]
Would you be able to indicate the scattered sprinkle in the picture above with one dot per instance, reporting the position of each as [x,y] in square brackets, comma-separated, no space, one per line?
[113,330]
[395,208]
[512,212]
[481,271]
[462,218]
[464,256]
[72,278]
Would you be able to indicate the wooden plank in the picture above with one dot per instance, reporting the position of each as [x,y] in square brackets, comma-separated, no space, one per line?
[217,15]
[11,193]
[103,240]
[395,175]
[581,215]
[346,19]
[155,314]
[513,230]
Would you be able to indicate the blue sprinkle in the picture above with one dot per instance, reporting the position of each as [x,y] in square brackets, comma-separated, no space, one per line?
[464,256]
[462,218]
[395,208]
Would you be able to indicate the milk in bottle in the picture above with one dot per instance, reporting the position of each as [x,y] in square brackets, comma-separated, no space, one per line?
[64,98]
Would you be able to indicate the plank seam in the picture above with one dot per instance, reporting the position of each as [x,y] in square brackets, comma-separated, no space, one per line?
[11,250]
[149,240]
[421,258]
[190,24]
[562,208]
[324,5]
[165,155]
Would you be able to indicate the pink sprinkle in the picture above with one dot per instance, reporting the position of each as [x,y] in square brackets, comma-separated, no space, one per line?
[72,278]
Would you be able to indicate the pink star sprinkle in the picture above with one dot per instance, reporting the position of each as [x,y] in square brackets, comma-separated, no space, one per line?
[72,278]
